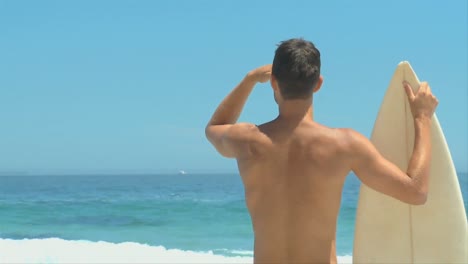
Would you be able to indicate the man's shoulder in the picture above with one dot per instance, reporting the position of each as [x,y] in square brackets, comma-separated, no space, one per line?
[243,131]
[343,138]
[242,128]
[247,139]
[352,141]
[345,132]
[335,133]
[351,136]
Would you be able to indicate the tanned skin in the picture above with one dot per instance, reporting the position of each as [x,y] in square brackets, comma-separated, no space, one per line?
[293,169]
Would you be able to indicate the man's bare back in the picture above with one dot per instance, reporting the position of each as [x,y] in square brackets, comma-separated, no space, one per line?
[293,168]
[293,179]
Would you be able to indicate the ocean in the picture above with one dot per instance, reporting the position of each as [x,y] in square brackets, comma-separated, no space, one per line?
[190,218]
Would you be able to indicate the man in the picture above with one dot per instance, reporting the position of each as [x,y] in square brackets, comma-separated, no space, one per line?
[293,168]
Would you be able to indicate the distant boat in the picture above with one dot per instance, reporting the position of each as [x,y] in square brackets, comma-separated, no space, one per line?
[182,172]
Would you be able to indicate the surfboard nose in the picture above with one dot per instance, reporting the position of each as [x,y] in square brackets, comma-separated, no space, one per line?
[405,66]
[402,63]
[406,74]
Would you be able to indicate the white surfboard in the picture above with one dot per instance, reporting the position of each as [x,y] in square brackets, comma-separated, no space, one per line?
[390,231]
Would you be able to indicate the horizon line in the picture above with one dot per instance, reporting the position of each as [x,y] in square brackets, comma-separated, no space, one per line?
[126,173]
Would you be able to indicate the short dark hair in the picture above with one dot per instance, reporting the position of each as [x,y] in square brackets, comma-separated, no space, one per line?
[296,67]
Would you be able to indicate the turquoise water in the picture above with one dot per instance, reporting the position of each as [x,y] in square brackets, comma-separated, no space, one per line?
[200,213]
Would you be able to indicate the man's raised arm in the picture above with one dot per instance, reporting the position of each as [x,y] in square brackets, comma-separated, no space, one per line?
[382,175]
[221,130]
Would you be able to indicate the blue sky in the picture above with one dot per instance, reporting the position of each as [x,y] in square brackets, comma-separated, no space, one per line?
[128,86]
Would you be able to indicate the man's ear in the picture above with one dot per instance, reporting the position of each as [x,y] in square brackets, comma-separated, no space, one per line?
[276,90]
[319,84]
[274,83]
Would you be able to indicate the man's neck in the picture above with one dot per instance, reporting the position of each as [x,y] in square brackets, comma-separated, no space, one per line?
[296,110]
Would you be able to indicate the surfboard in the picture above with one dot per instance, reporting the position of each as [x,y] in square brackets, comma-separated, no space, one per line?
[390,231]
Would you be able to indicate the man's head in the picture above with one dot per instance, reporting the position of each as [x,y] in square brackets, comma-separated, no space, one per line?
[296,69]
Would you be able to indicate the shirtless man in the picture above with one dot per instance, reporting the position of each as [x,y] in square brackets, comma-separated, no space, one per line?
[293,168]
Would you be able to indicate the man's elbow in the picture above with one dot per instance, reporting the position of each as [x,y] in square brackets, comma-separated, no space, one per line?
[418,198]
[207,132]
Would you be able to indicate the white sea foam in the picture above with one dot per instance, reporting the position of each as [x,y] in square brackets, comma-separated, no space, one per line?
[55,250]
[242,252]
